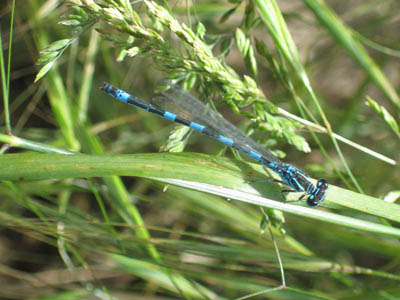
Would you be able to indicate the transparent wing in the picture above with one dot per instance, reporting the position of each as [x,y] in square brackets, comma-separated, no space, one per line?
[179,101]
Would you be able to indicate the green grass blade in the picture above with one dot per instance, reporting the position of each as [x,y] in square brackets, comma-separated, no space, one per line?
[186,170]
[345,36]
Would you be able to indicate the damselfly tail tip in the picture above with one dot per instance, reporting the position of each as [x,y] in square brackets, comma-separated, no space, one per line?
[105,86]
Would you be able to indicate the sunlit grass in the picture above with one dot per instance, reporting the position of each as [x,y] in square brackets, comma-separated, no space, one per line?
[197,225]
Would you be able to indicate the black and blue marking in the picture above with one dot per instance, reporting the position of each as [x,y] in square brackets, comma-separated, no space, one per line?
[291,176]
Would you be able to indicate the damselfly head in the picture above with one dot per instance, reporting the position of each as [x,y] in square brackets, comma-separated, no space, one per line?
[318,194]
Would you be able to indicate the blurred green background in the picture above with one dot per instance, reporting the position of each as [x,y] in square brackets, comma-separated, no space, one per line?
[105,225]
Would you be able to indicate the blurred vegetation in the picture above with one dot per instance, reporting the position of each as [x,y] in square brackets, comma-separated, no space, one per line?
[92,210]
